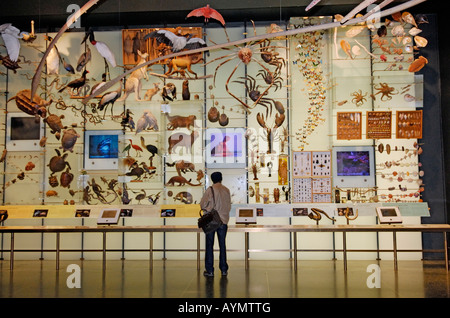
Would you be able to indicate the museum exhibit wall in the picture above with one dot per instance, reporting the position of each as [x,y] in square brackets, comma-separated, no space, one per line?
[298,105]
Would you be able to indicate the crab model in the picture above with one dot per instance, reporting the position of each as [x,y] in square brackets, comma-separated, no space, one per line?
[358,98]
[386,91]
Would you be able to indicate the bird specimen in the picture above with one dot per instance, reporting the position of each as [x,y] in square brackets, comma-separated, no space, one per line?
[150,148]
[31,36]
[76,84]
[177,43]
[84,59]
[69,68]
[109,98]
[208,13]
[102,48]
[11,36]
[53,58]
[136,147]
[97,86]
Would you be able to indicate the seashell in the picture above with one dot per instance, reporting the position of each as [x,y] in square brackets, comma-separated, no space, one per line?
[356,50]
[421,18]
[420,41]
[406,40]
[408,48]
[380,148]
[388,149]
[346,47]
[354,31]
[397,16]
[409,98]
[414,31]
[338,17]
[398,30]
[408,18]
[417,64]
[382,31]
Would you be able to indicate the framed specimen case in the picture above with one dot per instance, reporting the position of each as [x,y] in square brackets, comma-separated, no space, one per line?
[409,124]
[379,125]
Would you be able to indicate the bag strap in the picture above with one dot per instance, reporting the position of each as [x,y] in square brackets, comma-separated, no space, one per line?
[214,201]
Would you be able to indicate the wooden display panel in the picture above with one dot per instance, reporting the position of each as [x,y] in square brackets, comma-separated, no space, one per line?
[379,125]
[409,124]
[133,40]
[349,125]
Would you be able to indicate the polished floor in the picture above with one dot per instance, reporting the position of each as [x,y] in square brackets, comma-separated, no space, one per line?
[264,279]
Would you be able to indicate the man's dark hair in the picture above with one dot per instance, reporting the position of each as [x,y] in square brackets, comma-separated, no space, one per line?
[216,177]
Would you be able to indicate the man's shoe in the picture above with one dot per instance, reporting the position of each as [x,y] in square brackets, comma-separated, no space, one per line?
[224,273]
[207,274]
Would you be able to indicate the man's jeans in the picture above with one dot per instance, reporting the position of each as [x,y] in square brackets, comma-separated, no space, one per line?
[209,250]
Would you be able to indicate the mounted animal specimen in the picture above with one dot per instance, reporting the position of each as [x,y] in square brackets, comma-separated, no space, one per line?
[134,82]
[316,214]
[186,94]
[55,124]
[184,197]
[36,107]
[182,140]
[169,89]
[152,92]
[181,181]
[150,148]
[181,64]
[147,121]
[207,12]
[182,166]
[58,163]
[69,139]
[279,119]
[180,121]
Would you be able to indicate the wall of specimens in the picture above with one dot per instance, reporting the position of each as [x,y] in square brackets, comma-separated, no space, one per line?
[319,117]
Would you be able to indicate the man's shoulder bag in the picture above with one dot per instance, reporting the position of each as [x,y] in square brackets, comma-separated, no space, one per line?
[209,221]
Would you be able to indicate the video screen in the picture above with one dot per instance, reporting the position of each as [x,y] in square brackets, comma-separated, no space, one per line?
[388,212]
[353,163]
[227,144]
[109,214]
[103,146]
[25,128]
[246,213]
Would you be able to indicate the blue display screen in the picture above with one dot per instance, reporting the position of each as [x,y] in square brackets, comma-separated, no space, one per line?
[353,163]
[103,146]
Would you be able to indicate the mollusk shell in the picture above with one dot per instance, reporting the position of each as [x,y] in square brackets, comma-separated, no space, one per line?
[356,50]
[398,30]
[408,18]
[354,31]
[409,98]
[414,31]
[420,41]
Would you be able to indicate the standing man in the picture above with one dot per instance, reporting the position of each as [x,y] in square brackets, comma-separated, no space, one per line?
[222,203]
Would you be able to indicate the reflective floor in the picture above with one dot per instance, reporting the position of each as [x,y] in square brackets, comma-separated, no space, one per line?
[264,279]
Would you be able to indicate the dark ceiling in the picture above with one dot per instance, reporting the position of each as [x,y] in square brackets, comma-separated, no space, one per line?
[49,15]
